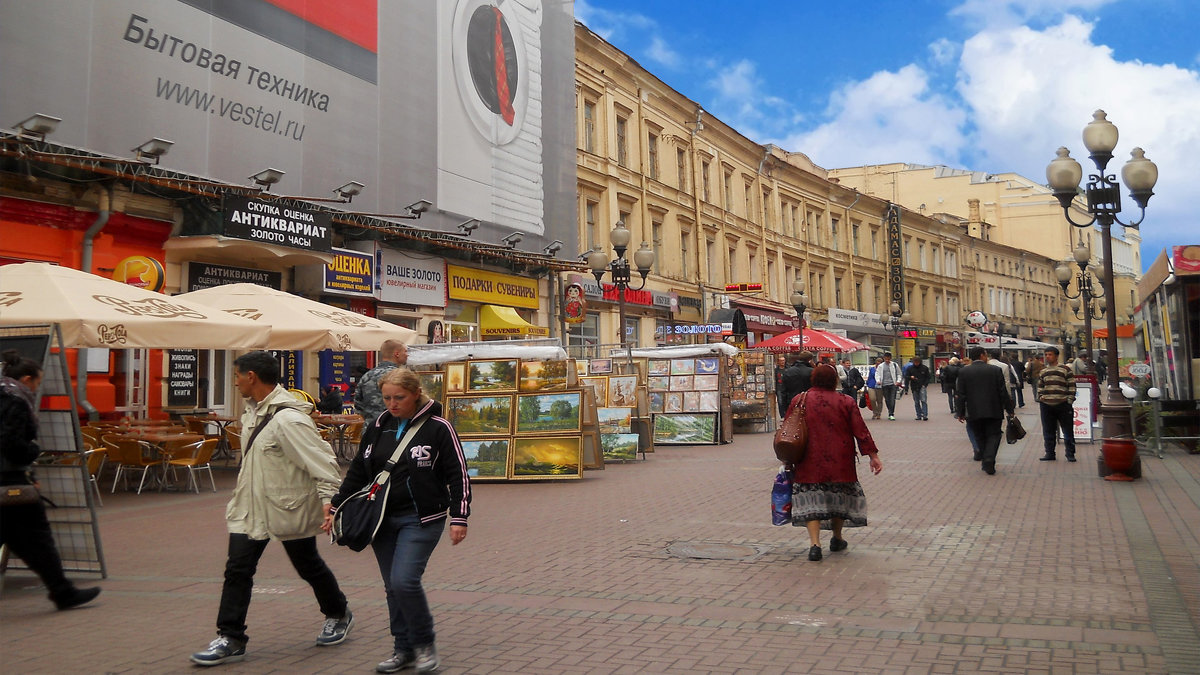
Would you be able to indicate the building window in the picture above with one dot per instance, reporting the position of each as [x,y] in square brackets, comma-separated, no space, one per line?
[710,257]
[656,234]
[732,266]
[766,208]
[754,275]
[906,258]
[921,256]
[833,231]
[681,167]
[652,155]
[589,126]
[704,171]
[622,140]
[589,215]
[854,238]
[837,293]
[875,243]
[727,186]
[748,194]
[685,252]
[814,227]
[858,296]
[586,334]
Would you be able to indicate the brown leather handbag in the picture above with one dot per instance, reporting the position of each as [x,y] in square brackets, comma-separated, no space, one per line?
[791,438]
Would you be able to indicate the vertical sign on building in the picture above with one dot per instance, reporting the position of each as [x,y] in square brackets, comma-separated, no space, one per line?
[895,255]
[182,378]
[291,368]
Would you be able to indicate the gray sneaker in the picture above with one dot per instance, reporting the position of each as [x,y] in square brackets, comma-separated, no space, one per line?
[221,650]
[335,629]
[427,658]
[398,662]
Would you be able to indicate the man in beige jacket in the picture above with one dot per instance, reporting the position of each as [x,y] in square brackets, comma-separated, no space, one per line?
[287,476]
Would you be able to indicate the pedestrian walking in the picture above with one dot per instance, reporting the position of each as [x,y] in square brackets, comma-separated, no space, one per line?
[287,477]
[889,379]
[873,391]
[917,381]
[1056,394]
[853,382]
[826,493]
[24,528]
[367,399]
[949,379]
[982,403]
[796,379]
[1033,368]
[432,474]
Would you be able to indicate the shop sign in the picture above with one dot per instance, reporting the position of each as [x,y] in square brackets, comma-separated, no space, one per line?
[291,370]
[182,377]
[206,275]
[411,281]
[141,271]
[849,317]
[492,288]
[350,273]
[694,329]
[895,259]
[274,223]
[926,333]
[609,293]
[762,319]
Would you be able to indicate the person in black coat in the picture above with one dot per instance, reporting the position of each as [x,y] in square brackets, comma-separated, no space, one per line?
[331,401]
[950,379]
[24,528]
[982,401]
[796,378]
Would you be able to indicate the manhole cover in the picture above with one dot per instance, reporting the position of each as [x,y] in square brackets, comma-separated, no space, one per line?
[711,551]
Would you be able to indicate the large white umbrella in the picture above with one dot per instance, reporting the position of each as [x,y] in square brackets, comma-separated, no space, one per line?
[300,323]
[98,312]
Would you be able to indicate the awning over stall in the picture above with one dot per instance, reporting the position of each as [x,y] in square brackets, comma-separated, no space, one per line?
[497,321]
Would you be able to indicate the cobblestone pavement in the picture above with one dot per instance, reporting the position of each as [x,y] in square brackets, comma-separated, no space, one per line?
[671,565]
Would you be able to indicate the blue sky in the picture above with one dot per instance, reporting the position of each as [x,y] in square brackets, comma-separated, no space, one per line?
[985,85]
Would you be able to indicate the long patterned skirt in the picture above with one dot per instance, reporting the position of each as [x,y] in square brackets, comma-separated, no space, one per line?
[825,501]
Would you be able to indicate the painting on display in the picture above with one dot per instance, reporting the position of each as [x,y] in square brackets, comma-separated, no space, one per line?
[691,400]
[541,413]
[487,458]
[480,414]
[600,366]
[710,401]
[433,384]
[659,367]
[615,420]
[683,366]
[657,401]
[599,385]
[705,383]
[659,383]
[619,447]
[685,428]
[497,375]
[542,376]
[622,390]
[708,365]
[456,378]
[681,382]
[674,402]
[547,457]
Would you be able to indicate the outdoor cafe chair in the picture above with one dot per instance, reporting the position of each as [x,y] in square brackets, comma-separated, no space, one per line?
[195,457]
[130,454]
[94,458]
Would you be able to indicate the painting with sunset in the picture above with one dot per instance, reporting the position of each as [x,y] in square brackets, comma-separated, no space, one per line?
[480,414]
[544,457]
[542,375]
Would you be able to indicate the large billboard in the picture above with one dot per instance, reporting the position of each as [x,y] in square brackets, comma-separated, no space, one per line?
[466,103]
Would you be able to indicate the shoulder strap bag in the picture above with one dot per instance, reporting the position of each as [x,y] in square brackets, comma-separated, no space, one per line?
[357,520]
[791,438]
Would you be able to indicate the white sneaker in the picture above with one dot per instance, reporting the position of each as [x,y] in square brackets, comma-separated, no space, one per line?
[427,658]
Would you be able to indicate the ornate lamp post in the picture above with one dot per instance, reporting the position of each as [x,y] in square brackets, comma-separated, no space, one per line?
[800,304]
[619,268]
[1085,292]
[894,320]
[1104,205]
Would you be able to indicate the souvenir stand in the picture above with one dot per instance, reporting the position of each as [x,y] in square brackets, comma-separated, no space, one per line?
[517,406]
[618,384]
[751,377]
[687,392]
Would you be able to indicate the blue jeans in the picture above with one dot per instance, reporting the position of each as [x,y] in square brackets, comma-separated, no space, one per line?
[920,397]
[889,398]
[402,548]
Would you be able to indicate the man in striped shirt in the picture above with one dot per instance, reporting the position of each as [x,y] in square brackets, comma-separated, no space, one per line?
[1055,394]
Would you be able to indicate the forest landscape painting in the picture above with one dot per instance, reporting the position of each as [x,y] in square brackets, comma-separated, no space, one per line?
[486,457]
[539,413]
[480,414]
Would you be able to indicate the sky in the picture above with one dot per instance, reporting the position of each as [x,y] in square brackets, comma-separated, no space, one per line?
[985,85]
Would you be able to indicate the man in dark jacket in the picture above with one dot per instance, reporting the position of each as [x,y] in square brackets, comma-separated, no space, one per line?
[796,378]
[982,401]
[1019,366]
[917,377]
[950,379]
[854,381]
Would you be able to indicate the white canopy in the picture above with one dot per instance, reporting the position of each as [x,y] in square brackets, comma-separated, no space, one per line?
[98,312]
[544,349]
[300,323]
[677,351]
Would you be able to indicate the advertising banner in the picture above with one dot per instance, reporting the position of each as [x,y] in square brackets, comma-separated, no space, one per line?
[271,223]
[182,378]
[475,285]
[350,273]
[1082,422]
[409,280]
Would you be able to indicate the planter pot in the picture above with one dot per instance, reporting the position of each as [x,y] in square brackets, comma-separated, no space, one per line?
[1120,454]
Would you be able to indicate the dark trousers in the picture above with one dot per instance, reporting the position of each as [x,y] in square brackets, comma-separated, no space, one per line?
[988,434]
[889,397]
[26,531]
[1054,418]
[950,396]
[1020,392]
[244,554]
[402,549]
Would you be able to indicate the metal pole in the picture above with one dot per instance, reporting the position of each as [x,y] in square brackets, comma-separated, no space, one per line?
[1115,411]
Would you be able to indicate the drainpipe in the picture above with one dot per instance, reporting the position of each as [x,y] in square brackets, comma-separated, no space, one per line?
[85,264]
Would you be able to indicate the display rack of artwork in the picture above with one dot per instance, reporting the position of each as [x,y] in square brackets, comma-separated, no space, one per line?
[751,381]
[687,394]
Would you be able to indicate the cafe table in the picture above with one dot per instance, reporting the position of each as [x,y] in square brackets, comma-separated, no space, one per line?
[222,422]
[340,424]
[158,441]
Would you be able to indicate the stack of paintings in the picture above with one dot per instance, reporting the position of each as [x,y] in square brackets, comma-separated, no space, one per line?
[684,398]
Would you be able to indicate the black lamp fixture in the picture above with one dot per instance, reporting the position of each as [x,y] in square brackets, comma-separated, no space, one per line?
[1081,300]
[1104,205]
[895,318]
[619,269]
[799,303]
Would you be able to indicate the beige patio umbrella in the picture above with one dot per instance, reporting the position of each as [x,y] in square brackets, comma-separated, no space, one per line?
[300,323]
[98,312]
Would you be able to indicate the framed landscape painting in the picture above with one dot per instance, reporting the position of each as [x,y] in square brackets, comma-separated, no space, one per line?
[542,376]
[600,366]
[659,382]
[615,420]
[685,428]
[681,383]
[547,457]
[619,447]
[683,366]
[487,458]
[480,414]
[542,413]
[433,384]
[659,367]
[705,382]
[498,375]
[456,378]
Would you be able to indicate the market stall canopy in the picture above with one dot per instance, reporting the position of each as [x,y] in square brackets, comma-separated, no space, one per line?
[300,323]
[989,341]
[815,340]
[98,312]
[545,349]
[497,321]
[676,351]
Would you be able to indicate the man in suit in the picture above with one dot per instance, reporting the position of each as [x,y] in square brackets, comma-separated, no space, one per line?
[982,399]
[797,378]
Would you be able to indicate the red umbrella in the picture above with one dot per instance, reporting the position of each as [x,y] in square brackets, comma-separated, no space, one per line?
[814,341]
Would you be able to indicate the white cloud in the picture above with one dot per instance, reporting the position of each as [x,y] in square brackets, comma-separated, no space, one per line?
[662,53]
[994,14]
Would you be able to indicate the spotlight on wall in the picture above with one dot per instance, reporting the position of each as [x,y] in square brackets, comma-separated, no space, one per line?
[512,239]
[37,126]
[418,207]
[468,227]
[152,150]
[553,247]
[349,190]
[267,177]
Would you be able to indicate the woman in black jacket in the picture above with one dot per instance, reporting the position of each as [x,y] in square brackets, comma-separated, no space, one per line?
[429,482]
[24,527]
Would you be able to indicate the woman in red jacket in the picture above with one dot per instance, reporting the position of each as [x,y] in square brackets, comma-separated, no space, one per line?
[825,490]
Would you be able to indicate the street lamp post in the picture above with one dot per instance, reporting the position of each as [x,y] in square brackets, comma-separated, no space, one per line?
[800,304]
[894,320]
[1085,292]
[619,270]
[1104,205]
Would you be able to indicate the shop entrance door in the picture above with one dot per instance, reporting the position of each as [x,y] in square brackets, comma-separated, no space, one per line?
[131,379]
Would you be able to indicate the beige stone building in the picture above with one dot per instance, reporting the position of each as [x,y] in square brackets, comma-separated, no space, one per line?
[1011,209]
[718,209]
